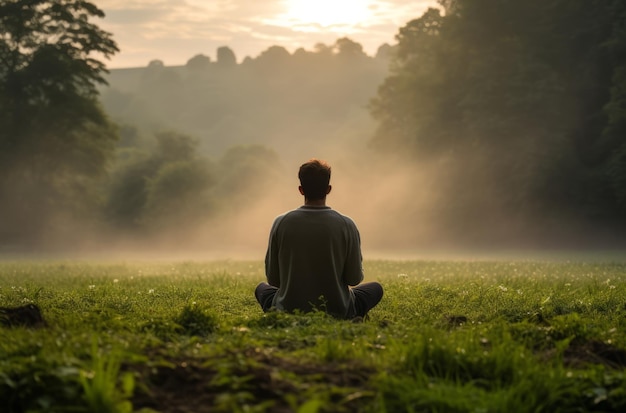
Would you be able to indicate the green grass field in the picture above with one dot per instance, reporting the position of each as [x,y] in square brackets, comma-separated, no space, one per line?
[449,336]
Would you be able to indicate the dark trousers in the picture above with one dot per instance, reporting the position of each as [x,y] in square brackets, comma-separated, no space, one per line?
[366,296]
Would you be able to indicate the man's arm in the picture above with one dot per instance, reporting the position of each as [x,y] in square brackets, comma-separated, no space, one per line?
[272,270]
[353,270]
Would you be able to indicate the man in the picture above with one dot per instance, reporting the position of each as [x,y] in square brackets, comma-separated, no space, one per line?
[314,256]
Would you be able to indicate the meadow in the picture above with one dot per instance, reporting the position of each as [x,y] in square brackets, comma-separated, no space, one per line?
[449,336]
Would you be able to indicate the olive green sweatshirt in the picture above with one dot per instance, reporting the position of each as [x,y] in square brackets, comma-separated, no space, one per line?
[313,255]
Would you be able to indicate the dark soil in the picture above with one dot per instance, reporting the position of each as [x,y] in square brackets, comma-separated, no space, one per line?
[24,316]
[252,377]
[257,377]
[594,352]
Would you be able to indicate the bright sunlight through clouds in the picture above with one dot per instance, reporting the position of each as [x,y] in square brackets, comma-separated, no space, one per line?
[176,30]
[325,13]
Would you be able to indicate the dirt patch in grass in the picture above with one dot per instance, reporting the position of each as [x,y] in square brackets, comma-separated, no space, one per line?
[25,316]
[252,377]
[594,352]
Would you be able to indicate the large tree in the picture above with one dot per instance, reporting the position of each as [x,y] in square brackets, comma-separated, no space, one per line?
[523,98]
[55,139]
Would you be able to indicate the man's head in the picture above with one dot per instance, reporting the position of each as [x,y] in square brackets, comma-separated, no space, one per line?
[314,179]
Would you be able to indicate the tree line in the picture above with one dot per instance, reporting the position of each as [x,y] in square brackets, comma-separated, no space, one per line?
[278,99]
[79,156]
[55,140]
[522,103]
[518,107]
[245,118]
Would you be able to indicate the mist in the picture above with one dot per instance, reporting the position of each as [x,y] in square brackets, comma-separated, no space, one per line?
[209,153]
[403,211]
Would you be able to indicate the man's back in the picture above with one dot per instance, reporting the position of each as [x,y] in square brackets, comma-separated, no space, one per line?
[313,259]
[314,254]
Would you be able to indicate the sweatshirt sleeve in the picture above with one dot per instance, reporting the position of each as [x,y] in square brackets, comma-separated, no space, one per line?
[272,270]
[353,270]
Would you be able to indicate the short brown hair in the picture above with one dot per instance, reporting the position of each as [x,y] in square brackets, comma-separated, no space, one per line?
[314,178]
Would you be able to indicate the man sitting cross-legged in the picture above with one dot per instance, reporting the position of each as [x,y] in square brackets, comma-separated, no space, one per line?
[313,259]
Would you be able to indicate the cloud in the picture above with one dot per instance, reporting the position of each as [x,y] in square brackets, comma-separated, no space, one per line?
[176,30]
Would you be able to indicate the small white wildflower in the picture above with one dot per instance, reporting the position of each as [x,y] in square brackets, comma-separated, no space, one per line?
[89,374]
[116,280]
[402,275]
[91,287]
[151,291]
[611,287]
[520,292]
[503,288]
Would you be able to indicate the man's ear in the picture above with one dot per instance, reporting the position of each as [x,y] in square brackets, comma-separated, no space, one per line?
[301,190]
[330,188]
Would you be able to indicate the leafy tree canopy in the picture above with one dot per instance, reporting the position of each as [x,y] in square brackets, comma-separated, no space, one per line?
[514,94]
[226,57]
[54,136]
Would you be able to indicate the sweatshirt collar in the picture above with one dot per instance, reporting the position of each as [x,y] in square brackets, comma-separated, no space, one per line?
[311,207]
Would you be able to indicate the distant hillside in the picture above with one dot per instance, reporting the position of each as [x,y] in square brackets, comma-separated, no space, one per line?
[294,103]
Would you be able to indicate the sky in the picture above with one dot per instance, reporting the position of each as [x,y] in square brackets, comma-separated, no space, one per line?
[176,30]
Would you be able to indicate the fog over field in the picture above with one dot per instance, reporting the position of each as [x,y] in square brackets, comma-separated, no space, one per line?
[449,141]
[405,206]
[401,210]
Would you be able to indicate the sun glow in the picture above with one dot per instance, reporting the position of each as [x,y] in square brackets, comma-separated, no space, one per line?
[326,13]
